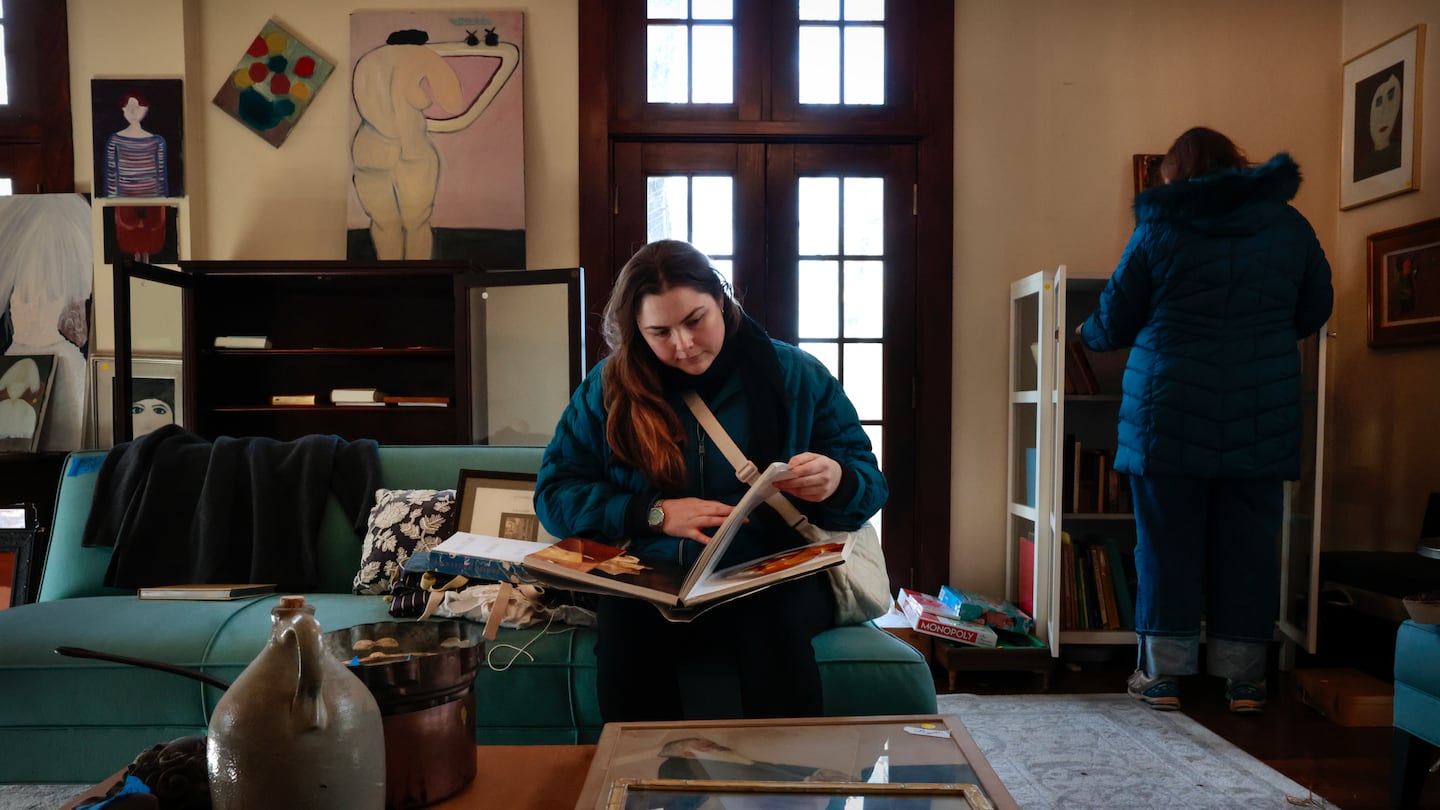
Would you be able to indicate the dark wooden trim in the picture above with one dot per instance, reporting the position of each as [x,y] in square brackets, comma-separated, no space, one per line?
[38,57]
[595,185]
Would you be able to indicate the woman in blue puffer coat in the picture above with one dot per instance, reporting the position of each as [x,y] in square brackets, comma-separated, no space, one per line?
[630,463]
[1220,280]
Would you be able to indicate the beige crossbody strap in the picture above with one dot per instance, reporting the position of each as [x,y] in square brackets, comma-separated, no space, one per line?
[745,469]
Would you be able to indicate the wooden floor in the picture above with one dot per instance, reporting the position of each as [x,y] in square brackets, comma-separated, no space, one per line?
[1349,767]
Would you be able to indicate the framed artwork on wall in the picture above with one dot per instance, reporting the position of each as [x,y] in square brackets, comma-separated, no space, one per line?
[1380,127]
[1146,169]
[1404,289]
[158,391]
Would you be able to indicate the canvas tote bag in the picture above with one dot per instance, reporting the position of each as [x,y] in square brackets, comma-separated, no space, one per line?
[862,585]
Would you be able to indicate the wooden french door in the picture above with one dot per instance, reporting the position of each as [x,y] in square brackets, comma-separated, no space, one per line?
[819,241]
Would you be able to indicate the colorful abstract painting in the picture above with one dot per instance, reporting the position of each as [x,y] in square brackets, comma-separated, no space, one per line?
[138,136]
[437,141]
[273,84]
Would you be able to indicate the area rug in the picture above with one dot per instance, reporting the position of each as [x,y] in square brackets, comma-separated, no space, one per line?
[1080,751]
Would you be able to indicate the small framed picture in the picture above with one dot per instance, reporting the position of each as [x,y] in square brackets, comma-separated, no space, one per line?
[1404,289]
[499,504]
[1380,128]
[1146,171]
[633,794]
[157,388]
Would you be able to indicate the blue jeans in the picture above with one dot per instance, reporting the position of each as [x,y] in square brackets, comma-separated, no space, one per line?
[1207,546]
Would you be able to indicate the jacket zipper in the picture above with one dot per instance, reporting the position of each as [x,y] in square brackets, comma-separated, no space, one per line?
[700,449]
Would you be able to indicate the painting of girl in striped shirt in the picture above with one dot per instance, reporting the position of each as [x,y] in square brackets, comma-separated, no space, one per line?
[135,158]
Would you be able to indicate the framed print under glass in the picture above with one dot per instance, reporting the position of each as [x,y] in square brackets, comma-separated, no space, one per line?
[157,386]
[499,504]
[1380,125]
[1404,289]
[934,751]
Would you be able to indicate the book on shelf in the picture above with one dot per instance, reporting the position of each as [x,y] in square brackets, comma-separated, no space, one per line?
[343,396]
[292,399]
[1025,598]
[242,342]
[679,592]
[927,614]
[1121,577]
[416,401]
[1084,378]
[209,593]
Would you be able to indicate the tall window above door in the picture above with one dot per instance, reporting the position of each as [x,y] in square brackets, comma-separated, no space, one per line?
[698,209]
[38,155]
[690,52]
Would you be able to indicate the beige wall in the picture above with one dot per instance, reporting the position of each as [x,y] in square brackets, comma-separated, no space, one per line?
[1052,98]
[1384,447]
[248,200]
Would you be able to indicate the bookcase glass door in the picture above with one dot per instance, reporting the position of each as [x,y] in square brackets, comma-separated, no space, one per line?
[1030,494]
[1300,532]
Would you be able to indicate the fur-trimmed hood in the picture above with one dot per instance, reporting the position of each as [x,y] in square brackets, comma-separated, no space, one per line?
[1227,201]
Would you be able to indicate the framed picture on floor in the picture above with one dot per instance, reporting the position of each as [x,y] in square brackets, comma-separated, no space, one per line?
[1380,126]
[157,388]
[1404,289]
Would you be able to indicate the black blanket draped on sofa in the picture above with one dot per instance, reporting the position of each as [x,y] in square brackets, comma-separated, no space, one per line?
[180,509]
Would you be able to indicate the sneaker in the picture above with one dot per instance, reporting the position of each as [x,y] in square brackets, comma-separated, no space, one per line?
[1245,698]
[1161,692]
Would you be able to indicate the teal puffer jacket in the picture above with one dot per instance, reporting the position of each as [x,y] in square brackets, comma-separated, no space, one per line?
[1220,280]
[583,491]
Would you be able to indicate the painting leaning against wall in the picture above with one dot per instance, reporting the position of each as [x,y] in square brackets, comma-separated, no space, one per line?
[46,280]
[437,137]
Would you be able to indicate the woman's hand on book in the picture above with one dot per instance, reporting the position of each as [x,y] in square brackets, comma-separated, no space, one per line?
[685,517]
[813,477]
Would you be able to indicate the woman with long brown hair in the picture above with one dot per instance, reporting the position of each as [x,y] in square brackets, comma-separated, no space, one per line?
[629,463]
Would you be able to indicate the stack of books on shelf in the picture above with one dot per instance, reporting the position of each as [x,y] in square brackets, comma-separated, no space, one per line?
[1091,483]
[1097,581]
[242,342]
[1079,376]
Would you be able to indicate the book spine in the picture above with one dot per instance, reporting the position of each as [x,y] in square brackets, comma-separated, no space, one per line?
[476,567]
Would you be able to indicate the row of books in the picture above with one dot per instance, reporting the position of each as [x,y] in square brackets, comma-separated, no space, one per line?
[1079,376]
[1097,584]
[358,397]
[1091,483]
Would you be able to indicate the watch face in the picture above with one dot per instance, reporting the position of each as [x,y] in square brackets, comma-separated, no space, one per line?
[656,518]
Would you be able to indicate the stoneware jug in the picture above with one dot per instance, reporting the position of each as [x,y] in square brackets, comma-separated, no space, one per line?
[296,729]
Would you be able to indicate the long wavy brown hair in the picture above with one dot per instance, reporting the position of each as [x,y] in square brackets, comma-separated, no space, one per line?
[1200,151]
[642,429]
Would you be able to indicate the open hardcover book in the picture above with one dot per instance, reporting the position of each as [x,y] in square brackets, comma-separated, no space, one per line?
[680,593]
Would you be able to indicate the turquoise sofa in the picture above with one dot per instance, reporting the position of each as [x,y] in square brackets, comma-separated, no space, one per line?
[65,719]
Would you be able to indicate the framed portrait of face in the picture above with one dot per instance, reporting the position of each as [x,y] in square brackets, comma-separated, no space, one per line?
[1380,130]
[157,397]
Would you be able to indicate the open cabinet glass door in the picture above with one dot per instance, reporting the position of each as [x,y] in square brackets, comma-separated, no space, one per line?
[1300,532]
[1031,496]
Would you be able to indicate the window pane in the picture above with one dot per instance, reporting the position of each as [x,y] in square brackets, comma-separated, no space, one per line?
[819,64]
[714,65]
[667,208]
[819,296]
[712,10]
[819,9]
[864,65]
[727,269]
[5,188]
[714,230]
[864,216]
[864,299]
[819,216]
[864,9]
[669,72]
[827,353]
[4,70]
[864,371]
[666,9]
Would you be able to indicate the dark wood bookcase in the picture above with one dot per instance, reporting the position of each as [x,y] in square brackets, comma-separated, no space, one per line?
[400,327]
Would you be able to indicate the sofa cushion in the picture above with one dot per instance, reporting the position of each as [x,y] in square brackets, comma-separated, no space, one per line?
[402,522]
